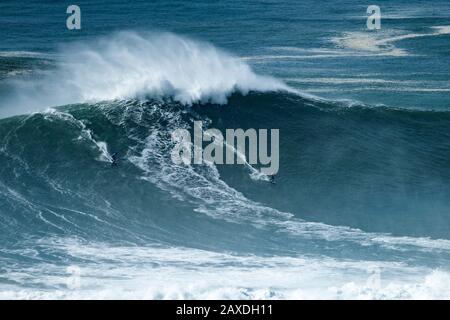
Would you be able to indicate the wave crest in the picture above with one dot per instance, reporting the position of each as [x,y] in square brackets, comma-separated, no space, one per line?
[131,65]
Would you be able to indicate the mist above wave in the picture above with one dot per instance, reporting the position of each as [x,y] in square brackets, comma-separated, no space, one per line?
[131,65]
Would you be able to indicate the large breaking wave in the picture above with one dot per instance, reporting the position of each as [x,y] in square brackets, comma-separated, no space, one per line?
[358,187]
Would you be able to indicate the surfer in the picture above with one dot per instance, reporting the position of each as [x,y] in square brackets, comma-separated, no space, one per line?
[272,179]
[114,159]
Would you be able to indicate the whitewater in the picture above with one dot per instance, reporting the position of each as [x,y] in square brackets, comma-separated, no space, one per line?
[151,229]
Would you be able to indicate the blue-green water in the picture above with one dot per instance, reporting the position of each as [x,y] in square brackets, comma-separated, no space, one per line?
[361,204]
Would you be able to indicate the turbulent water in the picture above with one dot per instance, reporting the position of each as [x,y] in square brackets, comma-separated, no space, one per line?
[361,204]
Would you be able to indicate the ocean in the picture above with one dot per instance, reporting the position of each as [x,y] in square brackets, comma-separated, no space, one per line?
[360,208]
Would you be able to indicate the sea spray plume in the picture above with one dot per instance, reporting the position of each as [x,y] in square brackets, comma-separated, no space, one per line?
[131,65]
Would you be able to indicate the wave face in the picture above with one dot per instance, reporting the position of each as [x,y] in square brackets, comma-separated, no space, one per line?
[63,204]
[362,192]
